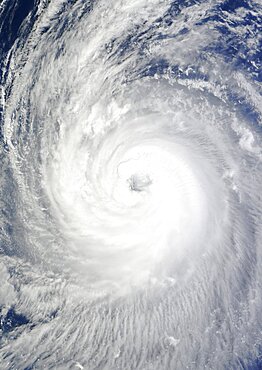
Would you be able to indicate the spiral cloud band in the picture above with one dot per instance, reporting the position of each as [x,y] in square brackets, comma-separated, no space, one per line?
[131,180]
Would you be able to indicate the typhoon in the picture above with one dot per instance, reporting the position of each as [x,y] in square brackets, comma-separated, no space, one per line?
[130,184]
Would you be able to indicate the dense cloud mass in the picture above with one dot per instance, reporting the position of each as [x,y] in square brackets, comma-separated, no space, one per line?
[130,188]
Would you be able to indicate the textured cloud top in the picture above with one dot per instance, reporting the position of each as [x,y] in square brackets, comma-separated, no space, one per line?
[131,185]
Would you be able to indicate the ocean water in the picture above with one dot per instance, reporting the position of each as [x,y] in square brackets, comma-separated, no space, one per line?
[130,184]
